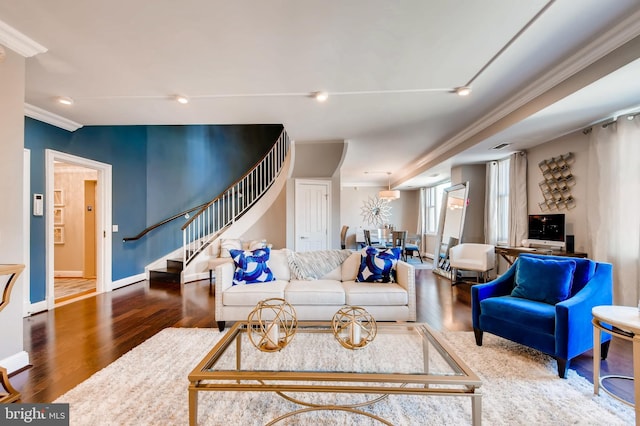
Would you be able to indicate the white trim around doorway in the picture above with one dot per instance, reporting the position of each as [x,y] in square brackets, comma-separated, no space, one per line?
[103,220]
[26,274]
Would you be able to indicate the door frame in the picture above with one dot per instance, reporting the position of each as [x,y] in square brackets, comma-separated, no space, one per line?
[103,220]
[26,274]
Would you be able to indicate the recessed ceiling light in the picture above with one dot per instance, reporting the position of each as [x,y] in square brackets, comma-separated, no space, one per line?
[64,100]
[320,96]
[182,99]
[463,90]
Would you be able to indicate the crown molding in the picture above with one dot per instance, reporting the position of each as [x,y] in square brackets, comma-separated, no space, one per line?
[614,38]
[18,42]
[50,118]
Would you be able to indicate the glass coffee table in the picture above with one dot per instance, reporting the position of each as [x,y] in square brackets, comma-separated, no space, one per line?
[403,359]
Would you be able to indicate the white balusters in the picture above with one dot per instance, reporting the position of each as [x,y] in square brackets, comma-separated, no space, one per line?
[205,225]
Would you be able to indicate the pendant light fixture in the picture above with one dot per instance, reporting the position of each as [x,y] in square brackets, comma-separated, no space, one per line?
[388,194]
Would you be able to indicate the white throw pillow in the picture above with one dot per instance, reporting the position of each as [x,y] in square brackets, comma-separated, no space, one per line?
[257,244]
[229,244]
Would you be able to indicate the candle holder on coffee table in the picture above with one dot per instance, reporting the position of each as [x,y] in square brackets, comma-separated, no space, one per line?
[272,324]
[354,327]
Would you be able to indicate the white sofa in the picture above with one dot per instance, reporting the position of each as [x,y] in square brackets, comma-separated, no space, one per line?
[317,300]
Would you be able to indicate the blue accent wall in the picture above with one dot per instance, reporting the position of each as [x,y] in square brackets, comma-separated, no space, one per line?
[157,172]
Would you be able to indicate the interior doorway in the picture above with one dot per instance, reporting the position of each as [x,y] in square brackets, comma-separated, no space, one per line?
[74,231]
[78,211]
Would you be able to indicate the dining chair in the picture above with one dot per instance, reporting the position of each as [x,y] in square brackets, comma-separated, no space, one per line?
[343,237]
[412,246]
[367,240]
[443,256]
[398,239]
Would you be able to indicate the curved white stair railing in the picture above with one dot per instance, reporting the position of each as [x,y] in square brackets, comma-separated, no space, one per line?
[214,218]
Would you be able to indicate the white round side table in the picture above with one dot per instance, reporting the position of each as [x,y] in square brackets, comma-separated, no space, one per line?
[625,322]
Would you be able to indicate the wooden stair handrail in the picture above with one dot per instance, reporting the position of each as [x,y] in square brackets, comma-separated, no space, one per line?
[163,222]
[230,187]
[201,207]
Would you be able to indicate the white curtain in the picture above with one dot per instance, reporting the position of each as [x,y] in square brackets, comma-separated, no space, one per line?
[491,224]
[518,210]
[613,204]
[422,213]
[422,218]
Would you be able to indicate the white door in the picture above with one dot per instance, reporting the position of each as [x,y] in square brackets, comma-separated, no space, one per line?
[312,204]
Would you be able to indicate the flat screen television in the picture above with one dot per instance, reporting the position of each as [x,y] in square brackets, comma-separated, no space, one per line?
[546,230]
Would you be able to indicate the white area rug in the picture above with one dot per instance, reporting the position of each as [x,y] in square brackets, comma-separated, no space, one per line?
[148,386]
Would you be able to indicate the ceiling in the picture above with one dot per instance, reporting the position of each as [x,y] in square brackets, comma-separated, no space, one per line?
[537,70]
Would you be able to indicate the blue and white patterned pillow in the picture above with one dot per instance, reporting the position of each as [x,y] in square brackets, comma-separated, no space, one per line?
[378,266]
[251,266]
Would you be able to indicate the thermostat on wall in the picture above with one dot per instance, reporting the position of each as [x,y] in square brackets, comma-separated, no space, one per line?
[37,204]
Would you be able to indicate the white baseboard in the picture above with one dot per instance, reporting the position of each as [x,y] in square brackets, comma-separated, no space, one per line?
[36,307]
[128,280]
[68,274]
[196,277]
[15,362]
[41,306]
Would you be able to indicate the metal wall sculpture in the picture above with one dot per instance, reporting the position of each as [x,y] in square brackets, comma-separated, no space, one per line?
[557,183]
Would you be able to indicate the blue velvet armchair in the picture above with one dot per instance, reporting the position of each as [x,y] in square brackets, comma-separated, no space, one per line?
[558,327]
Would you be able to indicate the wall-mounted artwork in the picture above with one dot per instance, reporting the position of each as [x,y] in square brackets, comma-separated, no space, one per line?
[58,235]
[375,211]
[58,216]
[557,183]
[58,197]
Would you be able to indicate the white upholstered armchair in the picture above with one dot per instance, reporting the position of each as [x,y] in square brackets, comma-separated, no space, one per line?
[479,258]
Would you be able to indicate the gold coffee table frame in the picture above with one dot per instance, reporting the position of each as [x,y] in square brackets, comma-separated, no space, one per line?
[462,383]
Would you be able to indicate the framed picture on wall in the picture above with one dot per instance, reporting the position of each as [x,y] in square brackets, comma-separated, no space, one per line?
[58,216]
[58,235]
[58,197]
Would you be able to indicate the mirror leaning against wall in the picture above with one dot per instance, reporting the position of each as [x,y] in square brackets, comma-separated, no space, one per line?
[450,227]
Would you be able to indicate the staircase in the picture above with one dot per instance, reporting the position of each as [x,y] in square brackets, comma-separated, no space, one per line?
[169,274]
[219,214]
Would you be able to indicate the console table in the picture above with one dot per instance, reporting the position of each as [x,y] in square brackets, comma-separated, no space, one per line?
[13,271]
[9,394]
[510,253]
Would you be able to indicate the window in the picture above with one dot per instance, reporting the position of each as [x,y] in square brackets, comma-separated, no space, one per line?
[503,201]
[432,200]
[497,193]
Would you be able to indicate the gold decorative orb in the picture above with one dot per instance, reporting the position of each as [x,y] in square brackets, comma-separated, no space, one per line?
[354,327]
[272,324]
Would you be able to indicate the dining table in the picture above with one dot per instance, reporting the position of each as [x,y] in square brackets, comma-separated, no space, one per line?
[378,236]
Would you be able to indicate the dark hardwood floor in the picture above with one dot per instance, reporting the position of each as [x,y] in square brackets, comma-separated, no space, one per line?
[72,342]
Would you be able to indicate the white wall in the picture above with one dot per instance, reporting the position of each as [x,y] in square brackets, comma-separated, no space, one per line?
[576,218]
[12,77]
[404,211]
[316,160]
[272,224]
